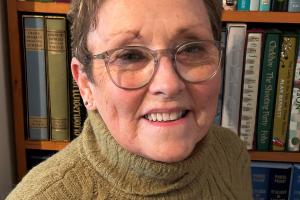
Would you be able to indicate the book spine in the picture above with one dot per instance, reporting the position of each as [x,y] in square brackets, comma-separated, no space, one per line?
[294,128]
[254,5]
[233,75]
[57,77]
[264,5]
[260,181]
[284,91]
[267,92]
[34,42]
[295,183]
[294,6]
[243,5]
[250,88]
[279,183]
[279,5]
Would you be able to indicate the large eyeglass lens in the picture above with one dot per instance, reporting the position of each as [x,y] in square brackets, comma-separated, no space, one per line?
[131,67]
[198,61]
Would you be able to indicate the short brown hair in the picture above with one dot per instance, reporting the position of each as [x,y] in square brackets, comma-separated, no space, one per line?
[83,18]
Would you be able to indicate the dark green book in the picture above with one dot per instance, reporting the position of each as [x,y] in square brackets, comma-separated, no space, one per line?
[267,90]
[279,5]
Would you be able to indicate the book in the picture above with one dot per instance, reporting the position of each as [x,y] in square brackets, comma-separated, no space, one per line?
[294,6]
[284,91]
[260,180]
[267,91]
[250,86]
[236,36]
[294,125]
[243,5]
[254,5]
[35,69]
[295,183]
[279,5]
[35,157]
[217,119]
[229,4]
[279,181]
[57,67]
[264,5]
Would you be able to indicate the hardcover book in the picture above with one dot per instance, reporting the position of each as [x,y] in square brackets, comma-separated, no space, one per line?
[294,6]
[264,5]
[295,183]
[229,4]
[254,5]
[243,5]
[250,86]
[57,66]
[36,95]
[294,126]
[260,180]
[279,5]
[266,99]
[284,91]
[233,75]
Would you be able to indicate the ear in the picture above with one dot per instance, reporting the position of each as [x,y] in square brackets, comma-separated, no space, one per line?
[84,84]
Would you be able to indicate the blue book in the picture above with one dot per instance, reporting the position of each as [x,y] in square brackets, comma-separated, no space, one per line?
[36,89]
[260,180]
[264,5]
[243,5]
[295,183]
[279,181]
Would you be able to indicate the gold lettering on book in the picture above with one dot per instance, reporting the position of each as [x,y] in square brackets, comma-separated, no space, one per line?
[56,41]
[34,39]
[38,122]
[77,120]
[59,124]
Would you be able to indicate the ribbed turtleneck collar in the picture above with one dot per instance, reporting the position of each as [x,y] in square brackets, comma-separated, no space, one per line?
[134,175]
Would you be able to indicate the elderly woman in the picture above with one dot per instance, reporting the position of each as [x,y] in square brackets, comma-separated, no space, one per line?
[149,74]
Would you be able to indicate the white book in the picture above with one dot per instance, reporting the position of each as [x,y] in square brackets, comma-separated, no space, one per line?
[294,128]
[233,75]
[250,87]
[254,5]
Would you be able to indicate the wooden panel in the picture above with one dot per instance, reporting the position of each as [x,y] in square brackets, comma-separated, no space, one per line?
[275,156]
[264,17]
[17,87]
[46,145]
[43,7]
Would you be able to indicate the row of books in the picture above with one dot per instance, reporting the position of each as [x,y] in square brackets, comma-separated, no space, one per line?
[260,97]
[275,181]
[262,5]
[53,104]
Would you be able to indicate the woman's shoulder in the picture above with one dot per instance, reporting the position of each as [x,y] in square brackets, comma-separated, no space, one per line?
[52,176]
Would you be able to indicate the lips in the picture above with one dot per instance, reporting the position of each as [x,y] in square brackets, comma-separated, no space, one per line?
[166,116]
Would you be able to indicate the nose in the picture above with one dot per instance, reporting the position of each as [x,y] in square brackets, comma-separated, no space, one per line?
[166,81]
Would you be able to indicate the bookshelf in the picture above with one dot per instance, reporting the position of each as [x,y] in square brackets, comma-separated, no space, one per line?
[21,144]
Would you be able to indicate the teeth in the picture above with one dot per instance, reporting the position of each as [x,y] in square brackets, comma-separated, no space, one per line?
[164,116]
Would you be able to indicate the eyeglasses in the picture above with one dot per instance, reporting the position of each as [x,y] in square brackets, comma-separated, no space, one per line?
[133,67]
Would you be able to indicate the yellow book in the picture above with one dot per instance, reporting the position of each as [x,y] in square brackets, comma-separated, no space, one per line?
[284,91]
[57,66]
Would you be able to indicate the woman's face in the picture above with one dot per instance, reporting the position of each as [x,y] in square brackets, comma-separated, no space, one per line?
[156,24]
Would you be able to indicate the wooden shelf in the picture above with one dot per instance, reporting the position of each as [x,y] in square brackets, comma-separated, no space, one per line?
[293,157]
[46,145]
[43,7]
[262,17]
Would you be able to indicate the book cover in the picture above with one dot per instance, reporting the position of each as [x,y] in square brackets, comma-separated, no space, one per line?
[250,86]
[233,75]
[284,91]
[57,67]
[260,180]
[35,69]
[243,5]
[294,6]
[267,91]
[295,183]
[279,5]
[279,181]
[294,126]
[264,5]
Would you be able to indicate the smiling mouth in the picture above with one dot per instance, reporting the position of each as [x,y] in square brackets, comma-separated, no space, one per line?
[165,117]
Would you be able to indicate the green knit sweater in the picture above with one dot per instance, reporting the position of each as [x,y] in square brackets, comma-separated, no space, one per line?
[94,166]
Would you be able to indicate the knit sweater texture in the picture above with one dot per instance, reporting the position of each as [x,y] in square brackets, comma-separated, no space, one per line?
[94,166]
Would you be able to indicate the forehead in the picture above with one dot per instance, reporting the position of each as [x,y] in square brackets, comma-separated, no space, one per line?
[146,18]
